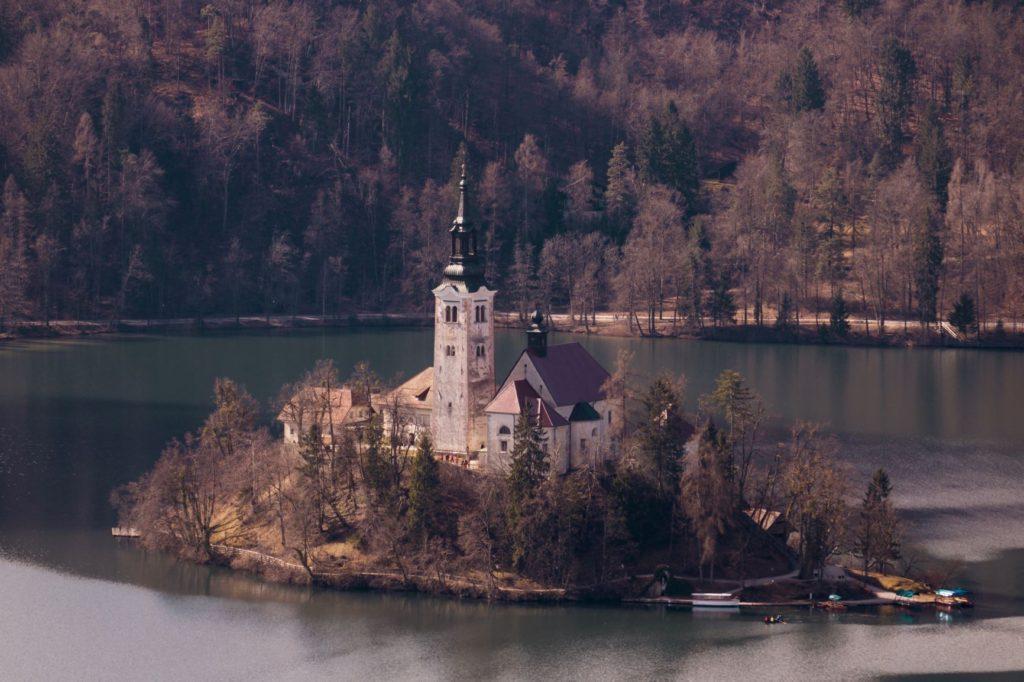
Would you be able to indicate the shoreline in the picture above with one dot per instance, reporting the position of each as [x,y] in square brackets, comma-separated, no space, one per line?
[608,324]
[280,571]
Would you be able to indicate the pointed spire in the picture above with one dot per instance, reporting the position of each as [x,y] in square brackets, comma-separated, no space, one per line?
[464,264]
[460,218]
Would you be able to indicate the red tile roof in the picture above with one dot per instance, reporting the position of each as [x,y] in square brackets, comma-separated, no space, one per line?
[571,374]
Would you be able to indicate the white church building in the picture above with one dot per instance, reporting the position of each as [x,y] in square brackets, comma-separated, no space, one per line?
[473,419]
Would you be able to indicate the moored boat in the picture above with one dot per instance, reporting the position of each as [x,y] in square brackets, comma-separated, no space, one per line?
[721,600]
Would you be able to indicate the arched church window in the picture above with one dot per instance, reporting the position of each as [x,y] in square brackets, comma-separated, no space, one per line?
[504,431]
[455,314]
[447,313]
[483,313]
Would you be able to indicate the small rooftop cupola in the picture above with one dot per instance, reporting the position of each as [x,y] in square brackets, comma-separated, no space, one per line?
[464,266]
[537,334]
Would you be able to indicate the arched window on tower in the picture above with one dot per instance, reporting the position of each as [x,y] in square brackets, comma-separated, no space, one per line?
[447,313]
[455,314]
[483,313]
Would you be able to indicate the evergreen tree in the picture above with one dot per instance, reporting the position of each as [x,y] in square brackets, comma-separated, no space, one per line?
[668,155]
[878,536]
[808,91]
[963,316]
[402,93]
[314,458]
[722,305]
[928,253]
[856,8]
[784,319]
[113,118]
[428,518]
[839,317]
[662,433]
[620,191]
[933,156]
[529,463]
[895,96]
[528,470]
[376,472]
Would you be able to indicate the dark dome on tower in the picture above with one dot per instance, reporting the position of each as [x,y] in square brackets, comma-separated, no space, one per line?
[465,268]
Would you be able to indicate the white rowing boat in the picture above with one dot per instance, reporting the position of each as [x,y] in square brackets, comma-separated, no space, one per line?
[720,600]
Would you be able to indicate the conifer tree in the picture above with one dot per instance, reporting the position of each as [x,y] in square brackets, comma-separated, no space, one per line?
[620,191]
[662,433]
[838,317]
[721,304]
[933,155]
[963,316]
[375,470]
[808,91]
[427,516]
[878,537]
[529,463]
[527,471]
[928,253]
[668,155]
[895,97]
[856,8]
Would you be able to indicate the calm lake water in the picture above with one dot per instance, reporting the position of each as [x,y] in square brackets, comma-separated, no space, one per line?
[80,417]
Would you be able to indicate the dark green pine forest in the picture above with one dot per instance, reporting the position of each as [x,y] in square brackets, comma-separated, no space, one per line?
[722,162]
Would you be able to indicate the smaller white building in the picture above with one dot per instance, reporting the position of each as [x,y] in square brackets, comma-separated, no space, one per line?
[562,388]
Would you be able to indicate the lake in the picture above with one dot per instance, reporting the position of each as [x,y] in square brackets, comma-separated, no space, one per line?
[79,417]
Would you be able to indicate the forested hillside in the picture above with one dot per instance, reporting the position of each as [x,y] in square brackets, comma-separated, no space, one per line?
[723,161]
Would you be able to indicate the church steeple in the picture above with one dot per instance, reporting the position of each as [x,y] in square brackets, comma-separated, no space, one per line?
[464,266]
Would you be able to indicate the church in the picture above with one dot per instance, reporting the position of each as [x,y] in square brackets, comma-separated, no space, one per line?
[470,418]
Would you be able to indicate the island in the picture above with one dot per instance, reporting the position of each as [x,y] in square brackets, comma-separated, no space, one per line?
[564,482]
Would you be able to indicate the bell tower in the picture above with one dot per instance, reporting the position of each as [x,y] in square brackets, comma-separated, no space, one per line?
[463,343]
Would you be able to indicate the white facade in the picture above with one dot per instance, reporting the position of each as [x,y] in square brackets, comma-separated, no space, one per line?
[574,433]
[463,368]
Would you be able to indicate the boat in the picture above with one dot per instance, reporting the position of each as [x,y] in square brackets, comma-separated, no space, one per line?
[944,602]
[833,603]
[955,598]
[907,598]
[716,600]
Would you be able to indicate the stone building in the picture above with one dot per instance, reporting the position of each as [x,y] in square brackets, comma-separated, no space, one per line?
[330,410]
[561,387]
